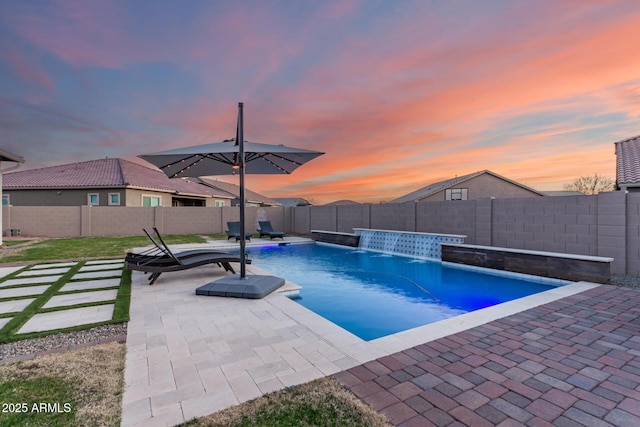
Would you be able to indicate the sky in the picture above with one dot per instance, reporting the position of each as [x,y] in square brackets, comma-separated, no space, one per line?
[398,94]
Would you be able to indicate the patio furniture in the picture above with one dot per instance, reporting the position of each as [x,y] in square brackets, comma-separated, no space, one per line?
[160,251]
[234,231]
[267,230]
[160,259]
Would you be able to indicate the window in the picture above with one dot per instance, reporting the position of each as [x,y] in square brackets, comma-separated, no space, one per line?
[93,199]
[456,194]
[114,199]
[5,200]
[151,201]
[219,203]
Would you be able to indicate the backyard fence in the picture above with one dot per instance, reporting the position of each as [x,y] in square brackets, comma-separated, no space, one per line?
[606,224]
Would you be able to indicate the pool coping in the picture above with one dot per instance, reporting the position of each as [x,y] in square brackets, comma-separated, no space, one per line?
[364,351]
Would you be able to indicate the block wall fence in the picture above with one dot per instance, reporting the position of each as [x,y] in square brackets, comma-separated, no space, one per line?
[607,224]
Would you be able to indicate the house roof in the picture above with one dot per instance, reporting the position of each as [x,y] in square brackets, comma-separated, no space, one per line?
[234,190]
[443,185]
[628,161]
[104,173]
[10,157]
[560,193]
[342,202]
[292,201]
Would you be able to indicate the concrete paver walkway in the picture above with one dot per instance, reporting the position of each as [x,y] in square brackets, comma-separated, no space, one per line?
[37,279]
[572,362]
[67,318]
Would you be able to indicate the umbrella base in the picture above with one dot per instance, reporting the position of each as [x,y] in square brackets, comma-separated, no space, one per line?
[252,286]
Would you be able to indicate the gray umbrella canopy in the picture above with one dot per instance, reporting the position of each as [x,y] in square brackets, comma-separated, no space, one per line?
[226,158]
[221,158]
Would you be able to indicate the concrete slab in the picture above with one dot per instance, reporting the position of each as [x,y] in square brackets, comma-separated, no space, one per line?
[96,267]
[4,321]
[5,271]
[97,274]
[30,281]
[42,272]
[53,265]
[81,298]
[90,284]
[104,261]
[67,318]
[15,305]
[24,291]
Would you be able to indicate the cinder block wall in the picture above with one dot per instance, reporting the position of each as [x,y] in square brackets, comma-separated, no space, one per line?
[106,221]
[59,221]
[633,232]
[302,220]
[323,218]
[353,216]
[394,216]
[555,224]
[457,217]
[607,224]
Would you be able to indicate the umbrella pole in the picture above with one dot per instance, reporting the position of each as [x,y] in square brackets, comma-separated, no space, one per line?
[240,140]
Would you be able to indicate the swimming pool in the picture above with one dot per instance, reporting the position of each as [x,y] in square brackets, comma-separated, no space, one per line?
[373,295]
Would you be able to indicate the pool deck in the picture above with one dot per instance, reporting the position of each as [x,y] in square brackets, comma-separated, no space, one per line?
[568,356]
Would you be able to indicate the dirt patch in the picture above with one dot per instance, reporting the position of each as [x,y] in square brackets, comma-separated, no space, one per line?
[96,374]
[331,404]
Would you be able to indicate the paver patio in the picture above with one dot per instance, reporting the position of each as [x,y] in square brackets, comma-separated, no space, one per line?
[575,361]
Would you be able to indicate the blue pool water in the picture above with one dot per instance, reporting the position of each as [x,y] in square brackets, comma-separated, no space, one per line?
[373,295]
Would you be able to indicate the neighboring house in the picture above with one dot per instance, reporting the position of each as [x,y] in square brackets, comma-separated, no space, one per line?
[292,201]
[106,182]
[561,193]
[628,164]
[253,198]
[469,187]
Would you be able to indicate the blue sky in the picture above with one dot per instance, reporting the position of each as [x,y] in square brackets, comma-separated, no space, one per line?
[399,94]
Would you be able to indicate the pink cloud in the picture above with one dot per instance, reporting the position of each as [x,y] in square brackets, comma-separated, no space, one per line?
[25,68]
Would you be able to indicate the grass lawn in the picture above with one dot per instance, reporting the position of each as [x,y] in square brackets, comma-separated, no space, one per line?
[10,243]
[84,387]
[87,247]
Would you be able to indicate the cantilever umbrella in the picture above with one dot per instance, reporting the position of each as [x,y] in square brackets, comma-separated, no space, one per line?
[231,157]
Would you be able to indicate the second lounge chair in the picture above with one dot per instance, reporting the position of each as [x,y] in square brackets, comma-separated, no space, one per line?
[267,230]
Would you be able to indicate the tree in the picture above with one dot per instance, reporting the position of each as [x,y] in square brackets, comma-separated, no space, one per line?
[591,184]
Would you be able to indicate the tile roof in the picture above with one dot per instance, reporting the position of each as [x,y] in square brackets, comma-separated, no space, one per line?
[104,173]
[628,161]
[442,185]
[292,201]
[234,190]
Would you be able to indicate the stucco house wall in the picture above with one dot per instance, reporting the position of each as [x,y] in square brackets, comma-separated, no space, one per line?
[62,197]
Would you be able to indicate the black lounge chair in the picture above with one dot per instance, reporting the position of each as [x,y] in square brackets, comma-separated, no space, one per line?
[161,259]
[159,252]
[234,231]
[267,230]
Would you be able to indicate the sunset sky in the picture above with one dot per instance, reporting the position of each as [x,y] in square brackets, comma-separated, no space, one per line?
[398,94]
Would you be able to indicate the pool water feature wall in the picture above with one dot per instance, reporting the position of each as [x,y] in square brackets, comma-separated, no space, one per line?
[405,243]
